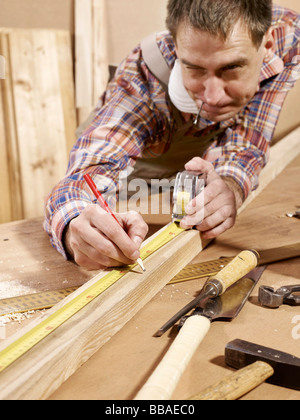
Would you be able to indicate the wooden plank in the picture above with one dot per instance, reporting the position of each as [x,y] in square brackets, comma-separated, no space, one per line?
[6,199]
[83,55]
[41,370]
[2,67]
[15,203]
[281,155]
[67,86]
[39,115]
[91,71]
[100,53]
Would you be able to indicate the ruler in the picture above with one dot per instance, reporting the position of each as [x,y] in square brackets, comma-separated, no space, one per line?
[16,349]
[48,299]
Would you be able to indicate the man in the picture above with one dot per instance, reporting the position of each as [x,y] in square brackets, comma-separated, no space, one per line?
[232,62]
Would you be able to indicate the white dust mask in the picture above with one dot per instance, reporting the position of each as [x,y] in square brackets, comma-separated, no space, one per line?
[178,93]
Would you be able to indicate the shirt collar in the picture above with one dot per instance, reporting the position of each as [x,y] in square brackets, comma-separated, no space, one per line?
[272,68]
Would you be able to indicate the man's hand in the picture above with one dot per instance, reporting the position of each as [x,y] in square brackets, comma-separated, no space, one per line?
[217,205]
[96,241]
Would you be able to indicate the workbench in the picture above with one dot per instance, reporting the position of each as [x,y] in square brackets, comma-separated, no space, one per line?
[119,369]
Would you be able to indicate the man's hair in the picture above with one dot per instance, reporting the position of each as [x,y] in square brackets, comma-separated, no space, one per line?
[218,17]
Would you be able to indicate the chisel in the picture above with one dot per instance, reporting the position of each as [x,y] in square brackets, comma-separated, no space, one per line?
[242,264]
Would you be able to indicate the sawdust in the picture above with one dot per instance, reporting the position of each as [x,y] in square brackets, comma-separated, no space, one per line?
[9,288]
[17,317]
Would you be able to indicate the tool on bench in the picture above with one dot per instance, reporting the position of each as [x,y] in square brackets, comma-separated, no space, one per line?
[194,328]
[210,268]
[244,262]
[294,214]
[286,295]
[257,364]
[188,185]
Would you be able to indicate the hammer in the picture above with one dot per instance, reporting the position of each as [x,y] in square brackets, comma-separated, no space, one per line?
[257,364]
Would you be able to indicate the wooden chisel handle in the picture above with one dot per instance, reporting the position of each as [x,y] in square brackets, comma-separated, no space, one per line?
[237,384]
[162,382]
[239,267]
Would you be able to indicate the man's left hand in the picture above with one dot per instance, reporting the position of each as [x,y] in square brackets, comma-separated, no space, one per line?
[216,206]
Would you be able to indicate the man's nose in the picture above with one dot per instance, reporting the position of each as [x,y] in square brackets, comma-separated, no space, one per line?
[213,91]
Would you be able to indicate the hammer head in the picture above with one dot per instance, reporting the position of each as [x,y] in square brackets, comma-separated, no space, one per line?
[239,354]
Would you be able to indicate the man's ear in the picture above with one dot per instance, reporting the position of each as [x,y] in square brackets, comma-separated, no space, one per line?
[269,45]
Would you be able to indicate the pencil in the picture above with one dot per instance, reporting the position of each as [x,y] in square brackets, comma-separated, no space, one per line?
[104,205]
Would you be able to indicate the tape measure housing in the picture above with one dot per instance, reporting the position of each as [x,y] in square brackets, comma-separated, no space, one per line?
[187,186]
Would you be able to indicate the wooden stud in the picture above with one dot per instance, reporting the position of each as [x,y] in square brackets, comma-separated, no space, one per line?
[83,55]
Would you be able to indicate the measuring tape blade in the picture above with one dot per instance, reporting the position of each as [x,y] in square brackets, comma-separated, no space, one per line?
[19,347]
[200,270]
[34,302]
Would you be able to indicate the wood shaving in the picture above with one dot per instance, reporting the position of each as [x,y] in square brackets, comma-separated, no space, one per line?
[18,317]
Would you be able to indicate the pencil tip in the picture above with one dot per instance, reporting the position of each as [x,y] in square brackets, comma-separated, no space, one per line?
[140,263]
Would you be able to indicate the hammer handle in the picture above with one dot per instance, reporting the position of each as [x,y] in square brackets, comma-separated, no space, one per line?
[241,265]
[162,382]
[237,384]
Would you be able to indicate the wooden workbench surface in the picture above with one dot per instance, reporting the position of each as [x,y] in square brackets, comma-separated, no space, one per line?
[117,371]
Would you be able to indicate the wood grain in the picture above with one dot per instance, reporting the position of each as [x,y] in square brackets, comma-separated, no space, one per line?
[39,115]
[237,384]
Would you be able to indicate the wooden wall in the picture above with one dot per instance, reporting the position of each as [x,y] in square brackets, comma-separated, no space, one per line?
[127,20]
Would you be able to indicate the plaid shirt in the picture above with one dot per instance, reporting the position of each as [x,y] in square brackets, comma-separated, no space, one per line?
[134,120]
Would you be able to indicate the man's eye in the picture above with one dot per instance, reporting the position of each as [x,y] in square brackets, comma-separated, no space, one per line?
[230,67]
[233,67]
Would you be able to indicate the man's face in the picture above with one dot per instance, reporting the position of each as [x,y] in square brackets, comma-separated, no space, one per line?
[224,74]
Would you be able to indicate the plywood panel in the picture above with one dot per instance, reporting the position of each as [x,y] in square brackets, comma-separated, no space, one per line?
[39,115]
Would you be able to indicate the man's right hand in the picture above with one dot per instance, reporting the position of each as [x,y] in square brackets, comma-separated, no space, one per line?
[96,241]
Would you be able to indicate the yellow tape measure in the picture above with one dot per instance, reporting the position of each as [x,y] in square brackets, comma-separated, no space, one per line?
[44,328]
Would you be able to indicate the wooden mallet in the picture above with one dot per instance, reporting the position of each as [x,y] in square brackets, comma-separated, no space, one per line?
[257,364]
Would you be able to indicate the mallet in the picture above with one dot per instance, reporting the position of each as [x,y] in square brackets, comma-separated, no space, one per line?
[257,364]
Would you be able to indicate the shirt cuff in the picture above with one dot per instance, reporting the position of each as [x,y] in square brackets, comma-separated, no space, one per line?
[246,183]
[59,222]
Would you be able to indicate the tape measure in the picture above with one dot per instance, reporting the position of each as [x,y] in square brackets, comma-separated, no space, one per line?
[51,323]
[188,185]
